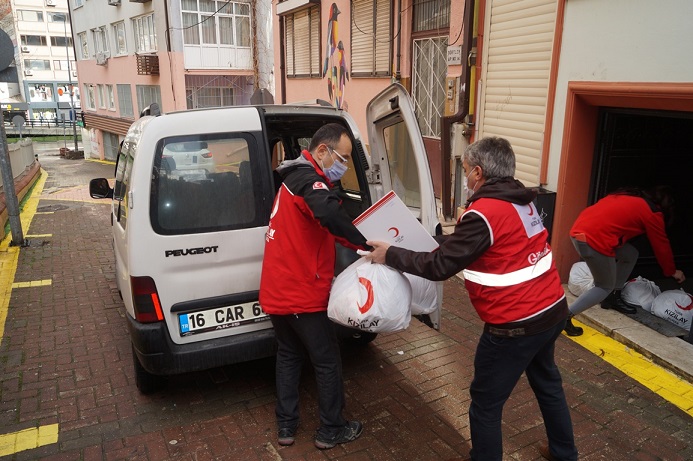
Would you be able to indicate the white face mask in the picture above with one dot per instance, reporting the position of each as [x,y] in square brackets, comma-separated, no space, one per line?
[465,183]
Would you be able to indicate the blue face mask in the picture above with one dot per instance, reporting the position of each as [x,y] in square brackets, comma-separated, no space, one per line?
[335,172]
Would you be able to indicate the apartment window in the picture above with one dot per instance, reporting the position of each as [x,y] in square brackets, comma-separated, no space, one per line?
[35,40]
[61,41]
[62,65]
[147,94]
[110,100]
[89,96]
[100,40]
[56,17]
[302,43]
[77,3]
[40,92]
[145,35]
[37,64]
[124,100]
[431,15]
[371,35]
[30,16]
[102,96]
[83,46]
[220,22]
[119,37]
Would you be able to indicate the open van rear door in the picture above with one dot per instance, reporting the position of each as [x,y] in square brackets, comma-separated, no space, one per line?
[398,152]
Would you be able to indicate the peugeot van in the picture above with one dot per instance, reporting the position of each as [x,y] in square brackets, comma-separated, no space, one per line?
[189,239]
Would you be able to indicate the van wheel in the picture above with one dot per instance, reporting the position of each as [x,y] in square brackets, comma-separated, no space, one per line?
[361,338]
[146,382]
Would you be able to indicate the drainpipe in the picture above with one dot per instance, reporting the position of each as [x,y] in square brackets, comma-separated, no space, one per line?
[167,39]
[256,60]
[462,111]
[398,74]
[282,62]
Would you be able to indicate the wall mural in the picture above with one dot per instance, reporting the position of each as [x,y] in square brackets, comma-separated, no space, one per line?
[335,67]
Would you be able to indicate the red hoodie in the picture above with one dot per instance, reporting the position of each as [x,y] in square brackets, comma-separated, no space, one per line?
[617,218]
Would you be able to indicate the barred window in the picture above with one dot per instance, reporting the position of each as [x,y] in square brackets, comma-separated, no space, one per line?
[371,38]
[431,15]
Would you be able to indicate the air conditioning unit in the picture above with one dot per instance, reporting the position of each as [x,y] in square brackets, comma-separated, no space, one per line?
[101,58]
[50,2]
[114,2]
[25,49]
[28,72]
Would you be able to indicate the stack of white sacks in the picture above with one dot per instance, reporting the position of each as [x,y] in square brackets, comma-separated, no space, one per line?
[675,306]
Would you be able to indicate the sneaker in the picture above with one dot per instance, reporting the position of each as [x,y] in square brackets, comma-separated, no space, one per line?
[285,436]
[350,432]
[619,305]
[570,329]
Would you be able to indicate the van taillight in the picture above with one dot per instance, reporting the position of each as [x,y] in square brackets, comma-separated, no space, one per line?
[146,300]
[207,155]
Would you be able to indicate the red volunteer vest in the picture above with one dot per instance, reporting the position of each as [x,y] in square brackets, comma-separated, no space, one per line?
[516,277]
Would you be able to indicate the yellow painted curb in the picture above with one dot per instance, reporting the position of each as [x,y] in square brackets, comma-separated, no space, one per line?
[660,381]
[27,439]
[10,255]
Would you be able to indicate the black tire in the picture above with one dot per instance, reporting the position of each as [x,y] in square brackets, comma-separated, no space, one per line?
[361,338]
[146,382]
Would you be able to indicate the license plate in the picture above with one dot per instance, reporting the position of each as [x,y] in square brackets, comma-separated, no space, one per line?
[221,318]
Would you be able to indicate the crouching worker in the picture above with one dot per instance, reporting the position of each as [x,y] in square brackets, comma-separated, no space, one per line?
[501,245]
[297,273]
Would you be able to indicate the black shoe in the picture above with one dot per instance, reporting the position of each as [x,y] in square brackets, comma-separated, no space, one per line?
[619,305]
[350,432]
[285,436]
[570,329]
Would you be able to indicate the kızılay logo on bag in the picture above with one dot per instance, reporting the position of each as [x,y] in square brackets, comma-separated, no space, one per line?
[369,295]
[688,306]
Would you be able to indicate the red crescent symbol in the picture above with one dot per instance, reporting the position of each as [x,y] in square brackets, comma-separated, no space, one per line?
[369,298]
[394,229]
[531,210]
[688,307]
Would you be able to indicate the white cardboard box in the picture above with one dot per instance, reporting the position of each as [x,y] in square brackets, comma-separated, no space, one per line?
[389,220]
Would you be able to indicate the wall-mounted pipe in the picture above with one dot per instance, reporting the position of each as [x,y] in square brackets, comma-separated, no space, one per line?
[462,111]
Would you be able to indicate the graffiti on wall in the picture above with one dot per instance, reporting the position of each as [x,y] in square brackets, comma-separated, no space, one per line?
[335,67]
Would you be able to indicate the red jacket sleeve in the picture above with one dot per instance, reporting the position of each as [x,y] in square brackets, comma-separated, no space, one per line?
[656,234]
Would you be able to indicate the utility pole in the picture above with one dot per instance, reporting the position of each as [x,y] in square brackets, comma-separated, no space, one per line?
[8,187]
[73,111]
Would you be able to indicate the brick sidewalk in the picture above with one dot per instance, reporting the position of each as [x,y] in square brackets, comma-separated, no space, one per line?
[65,358]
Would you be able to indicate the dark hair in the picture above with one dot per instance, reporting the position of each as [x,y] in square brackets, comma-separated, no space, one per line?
[660,196]
[329,134]
[494,155]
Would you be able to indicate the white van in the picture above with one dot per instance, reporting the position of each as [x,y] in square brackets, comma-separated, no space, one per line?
[189,239]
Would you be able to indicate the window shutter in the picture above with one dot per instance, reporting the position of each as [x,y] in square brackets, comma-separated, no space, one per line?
[315,70]
[383,37]
[289,46]
[302,43]
[370,37]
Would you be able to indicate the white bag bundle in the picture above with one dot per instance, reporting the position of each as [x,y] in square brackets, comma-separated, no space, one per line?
[370,297]
[676,306]
[640,292]
[580,279]
[424,295]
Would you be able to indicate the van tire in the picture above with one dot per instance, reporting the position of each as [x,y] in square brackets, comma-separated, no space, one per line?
[146,382]
[361,338]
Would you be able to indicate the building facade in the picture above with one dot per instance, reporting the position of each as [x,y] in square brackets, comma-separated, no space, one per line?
[182,54]
[45,89]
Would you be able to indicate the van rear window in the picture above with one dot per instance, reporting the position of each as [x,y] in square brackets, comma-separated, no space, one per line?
[204,184]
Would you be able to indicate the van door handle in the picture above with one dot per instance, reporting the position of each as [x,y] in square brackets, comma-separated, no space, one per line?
[130,202]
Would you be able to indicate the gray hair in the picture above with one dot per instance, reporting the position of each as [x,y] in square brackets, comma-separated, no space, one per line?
[494,155]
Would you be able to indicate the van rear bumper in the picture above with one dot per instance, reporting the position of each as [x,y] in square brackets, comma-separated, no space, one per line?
[161,356]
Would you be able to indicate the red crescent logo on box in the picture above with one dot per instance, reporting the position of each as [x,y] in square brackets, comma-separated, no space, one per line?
[687,307]
[394,229]
[369,297]
[531,210]
[320,185]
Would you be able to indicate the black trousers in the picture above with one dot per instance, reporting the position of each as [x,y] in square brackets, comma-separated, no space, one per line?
[313,335]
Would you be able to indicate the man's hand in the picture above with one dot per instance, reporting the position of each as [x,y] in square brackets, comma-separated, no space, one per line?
[377,255]
[679,277]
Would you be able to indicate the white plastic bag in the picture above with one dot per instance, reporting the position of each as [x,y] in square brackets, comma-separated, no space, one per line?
[640,292]
[370,297]
[676,306]
[580,279]
[424,295]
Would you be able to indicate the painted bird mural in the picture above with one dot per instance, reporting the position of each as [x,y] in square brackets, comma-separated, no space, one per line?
[335,67]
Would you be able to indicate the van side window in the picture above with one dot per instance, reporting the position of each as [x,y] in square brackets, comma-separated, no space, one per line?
[122,181]
[206,184]
[405,181]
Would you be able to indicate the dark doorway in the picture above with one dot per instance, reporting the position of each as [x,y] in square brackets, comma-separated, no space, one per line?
[645,148]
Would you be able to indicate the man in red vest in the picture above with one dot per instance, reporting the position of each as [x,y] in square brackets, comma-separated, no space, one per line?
[501,246]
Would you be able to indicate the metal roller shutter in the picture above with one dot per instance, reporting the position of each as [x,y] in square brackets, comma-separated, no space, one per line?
[516,70]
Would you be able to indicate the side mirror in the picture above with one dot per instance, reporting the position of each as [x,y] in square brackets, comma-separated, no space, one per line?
[99,188]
